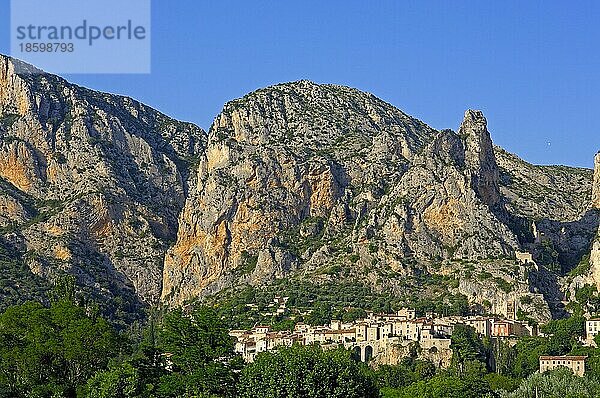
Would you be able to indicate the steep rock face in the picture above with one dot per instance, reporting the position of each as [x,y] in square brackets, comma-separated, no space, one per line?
[442,215]
[553,206]
[307,177]
[558,193]
[557,207]
[593,276]
[14,208]
[99,180]
[434,212]
[15,96]
[276,158]
[479,157]
[394,354]
[318,182]
[594,260]
[596,185]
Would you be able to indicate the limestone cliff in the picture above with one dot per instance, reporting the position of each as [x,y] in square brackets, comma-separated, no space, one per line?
[319,182]
[299,178]
[596,184]
[280,157]
[536,192]
[479,157]
[594,260]
[92,184]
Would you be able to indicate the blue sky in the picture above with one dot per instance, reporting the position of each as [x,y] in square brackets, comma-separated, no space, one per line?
[532,67]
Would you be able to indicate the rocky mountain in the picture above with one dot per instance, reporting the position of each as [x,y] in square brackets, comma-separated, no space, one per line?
[91,184]
[302,178]
[281,159]
[321,183]
[592,276]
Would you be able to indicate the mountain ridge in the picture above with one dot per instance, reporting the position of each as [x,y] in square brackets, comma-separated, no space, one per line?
[106,176]
[296,178]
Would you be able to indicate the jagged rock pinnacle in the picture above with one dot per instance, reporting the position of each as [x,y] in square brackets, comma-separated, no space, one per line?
[479,157]
[474,120]
[596,184]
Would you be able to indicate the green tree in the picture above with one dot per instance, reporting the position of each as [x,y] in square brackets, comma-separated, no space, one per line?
[120,381]
[424,369]
[528,351]
[443,386]
[200,355]
[307,372]
[86,343]
[564,333]
[560,383]
[504,356]
[353,314]
[147,357]
[136,375]
[52,351]
[320,315]
[395,376]
[64,289]
[405,373]
[466,346]
[500,382]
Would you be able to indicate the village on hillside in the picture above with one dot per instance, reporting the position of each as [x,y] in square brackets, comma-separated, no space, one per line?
[384,336]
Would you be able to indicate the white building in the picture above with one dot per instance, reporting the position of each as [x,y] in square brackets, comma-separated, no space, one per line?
[574,363]
[592,328]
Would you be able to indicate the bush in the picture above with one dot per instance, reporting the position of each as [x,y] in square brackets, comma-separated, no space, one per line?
[503,285]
